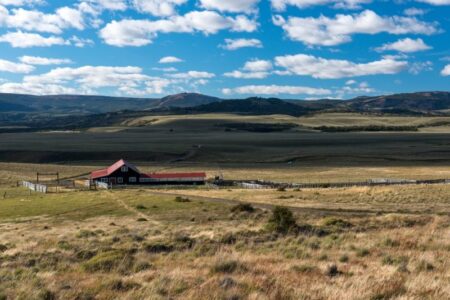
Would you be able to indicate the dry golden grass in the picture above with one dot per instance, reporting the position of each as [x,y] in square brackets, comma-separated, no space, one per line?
[141,244]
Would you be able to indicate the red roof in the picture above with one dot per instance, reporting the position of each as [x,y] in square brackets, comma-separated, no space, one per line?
[108,171]
[174,175]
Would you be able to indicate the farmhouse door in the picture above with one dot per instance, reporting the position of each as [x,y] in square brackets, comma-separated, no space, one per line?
[112,180]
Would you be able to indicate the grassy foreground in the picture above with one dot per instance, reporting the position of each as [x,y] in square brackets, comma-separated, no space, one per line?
[141,244]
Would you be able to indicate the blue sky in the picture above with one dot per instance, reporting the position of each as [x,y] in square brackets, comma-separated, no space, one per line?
[305,49]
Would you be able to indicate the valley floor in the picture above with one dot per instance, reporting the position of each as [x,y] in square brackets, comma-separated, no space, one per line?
[353,243]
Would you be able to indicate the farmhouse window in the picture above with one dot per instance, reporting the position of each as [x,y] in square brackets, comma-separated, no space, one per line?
[124,169]
[105,180]
[119,180]
[132,179]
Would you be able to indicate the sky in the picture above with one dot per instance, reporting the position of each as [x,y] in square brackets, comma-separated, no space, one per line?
[296,49]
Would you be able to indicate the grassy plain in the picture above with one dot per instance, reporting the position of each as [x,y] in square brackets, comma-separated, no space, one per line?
[203,243]
[355,243]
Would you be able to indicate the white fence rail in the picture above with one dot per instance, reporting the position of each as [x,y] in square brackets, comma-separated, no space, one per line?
[102,185]
[35,187]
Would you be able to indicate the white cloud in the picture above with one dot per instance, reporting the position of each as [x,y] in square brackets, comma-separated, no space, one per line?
[12,67]
[435,2]
[281,5]
[316,67]
[275,90]
[446,71]
[43,61]
[33,20]
[167,70]
[170,60]
[36,89]
[406,45]
[142,32]
[326,31]
[254,69]
[234,44]
[91,76]
[419,67]
[160,8]
[413,11]
[355,88]
[120,5]
[21,39]
[233,6]
[258,65]
[80,42]
[193,75]
[21,2]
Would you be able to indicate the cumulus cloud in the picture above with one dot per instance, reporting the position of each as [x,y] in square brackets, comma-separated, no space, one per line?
[142,32]
[436,2]
[234,44]
[12,67]
[281,5]
[33,20]
[108,4]
[446,71]
[37,89]
[326,31]
[21,2]
[43,61]
[254,69]
[275,90]
[170,60]
[193,75]
[160,8]
[21,39]
[321,68]
[233,6]
[88,80]
[413,11]
[406,45]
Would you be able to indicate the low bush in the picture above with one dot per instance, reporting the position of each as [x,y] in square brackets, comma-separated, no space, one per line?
[243,207]
[282,220]
[159,248]
[141,207]
[108,261]
[332,271]
[336,222]
[182,200]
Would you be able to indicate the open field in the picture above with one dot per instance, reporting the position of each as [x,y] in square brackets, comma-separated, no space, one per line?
[385,242]
[133,244]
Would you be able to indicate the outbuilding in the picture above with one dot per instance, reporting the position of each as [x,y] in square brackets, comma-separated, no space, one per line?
[124,173]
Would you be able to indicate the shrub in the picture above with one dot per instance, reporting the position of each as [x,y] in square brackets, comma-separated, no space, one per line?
[243,207]
[336,222]
[424,266]
[140,207]
[158,248]
[332,271]
[282,220]
[362,252]
[344,258]
[107,261]
[46,295]
[3,248]
[182,200]
[142,220]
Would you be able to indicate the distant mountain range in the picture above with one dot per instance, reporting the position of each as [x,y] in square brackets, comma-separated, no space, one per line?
[412,103]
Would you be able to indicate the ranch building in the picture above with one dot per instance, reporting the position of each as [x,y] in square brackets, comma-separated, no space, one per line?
[124,173]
